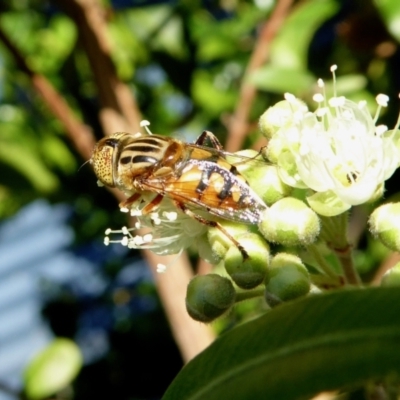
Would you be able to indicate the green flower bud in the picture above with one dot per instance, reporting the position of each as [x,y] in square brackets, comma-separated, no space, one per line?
[265,181]
[384,224]
[262,177]
[206,252]
[220,243]
[250,272]
[245,159]
[53,369]
[392,277]
[290,222]
[277,153]
[209,296]
[278,115]
[287,279]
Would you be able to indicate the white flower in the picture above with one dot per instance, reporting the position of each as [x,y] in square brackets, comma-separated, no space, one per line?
[168,230]
[336,151]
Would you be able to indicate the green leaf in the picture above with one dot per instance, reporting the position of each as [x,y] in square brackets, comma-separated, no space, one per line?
[290,48]
[29,164]
[210,96]
[298,349]
[390,12]
[280,80]
[127,51]
[346,84]
[57,153]
[160,27]
[52,369]
[45,42]
[228,38]
[59,36]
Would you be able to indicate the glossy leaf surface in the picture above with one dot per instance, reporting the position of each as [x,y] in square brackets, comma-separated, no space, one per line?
[299,349]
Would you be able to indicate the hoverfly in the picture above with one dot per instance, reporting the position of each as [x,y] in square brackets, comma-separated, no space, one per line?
[192,176]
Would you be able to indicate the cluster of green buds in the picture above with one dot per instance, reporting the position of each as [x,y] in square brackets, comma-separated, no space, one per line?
[317,165]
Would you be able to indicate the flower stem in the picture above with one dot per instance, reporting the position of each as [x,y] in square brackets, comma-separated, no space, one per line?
[334,231]
[249,294]
[327,230]
[326,282]
[322,263]
[349,270]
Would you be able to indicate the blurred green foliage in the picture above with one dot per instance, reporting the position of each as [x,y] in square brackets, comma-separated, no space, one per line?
[52,369]
[184,61]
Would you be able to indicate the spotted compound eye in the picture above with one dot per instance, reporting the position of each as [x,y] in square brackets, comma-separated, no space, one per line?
[102,160]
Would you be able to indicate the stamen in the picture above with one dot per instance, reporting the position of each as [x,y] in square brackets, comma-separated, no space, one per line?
[144,124]
[318,98]
[170,215]
[362,104]
[352,177]
[137,240]
[124,209]
[380,130]
[382,101]
[333,69]
[161,268]
[321,111]
[147,238]
[337,101]
[321,85]
[295,106]
[290,97]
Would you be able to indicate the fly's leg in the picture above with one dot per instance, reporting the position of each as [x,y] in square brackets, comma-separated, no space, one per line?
[148,208]
[153,204]
[129,201]
[210,137]
[213,224]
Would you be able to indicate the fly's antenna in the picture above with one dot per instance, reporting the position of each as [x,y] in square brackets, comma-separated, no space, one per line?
[88,161]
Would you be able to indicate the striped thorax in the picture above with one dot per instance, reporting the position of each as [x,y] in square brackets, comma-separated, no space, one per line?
[117,160]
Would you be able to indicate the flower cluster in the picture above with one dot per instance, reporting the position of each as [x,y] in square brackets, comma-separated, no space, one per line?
[336,151]
[320,164]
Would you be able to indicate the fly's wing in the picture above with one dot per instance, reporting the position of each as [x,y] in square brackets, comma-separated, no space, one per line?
[215,186]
